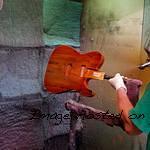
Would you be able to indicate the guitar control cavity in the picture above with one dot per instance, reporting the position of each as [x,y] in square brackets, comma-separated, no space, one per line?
[68,69]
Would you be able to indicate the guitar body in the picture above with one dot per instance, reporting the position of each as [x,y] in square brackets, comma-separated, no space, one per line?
[64,67]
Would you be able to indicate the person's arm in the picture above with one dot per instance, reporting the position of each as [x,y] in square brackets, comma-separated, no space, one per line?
[124,104]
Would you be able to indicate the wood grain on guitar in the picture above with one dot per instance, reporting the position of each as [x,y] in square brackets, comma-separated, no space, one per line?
[67,69]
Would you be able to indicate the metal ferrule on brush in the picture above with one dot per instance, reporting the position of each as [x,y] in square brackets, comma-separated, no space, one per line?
[143,66]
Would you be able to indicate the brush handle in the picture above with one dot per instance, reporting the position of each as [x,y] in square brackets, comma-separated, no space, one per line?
[107,77]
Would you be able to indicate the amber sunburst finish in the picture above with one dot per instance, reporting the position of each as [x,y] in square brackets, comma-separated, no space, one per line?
[68,69]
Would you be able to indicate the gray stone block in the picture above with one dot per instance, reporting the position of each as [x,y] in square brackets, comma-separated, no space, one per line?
[57,143]
[58,121]
[18,130]
[21,23]
[20,72]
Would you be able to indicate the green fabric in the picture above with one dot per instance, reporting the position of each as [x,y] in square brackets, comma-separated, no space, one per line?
[143,107]
[61,22]
[76,0]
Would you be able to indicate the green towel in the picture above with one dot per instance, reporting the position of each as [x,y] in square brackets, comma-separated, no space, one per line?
[61,22]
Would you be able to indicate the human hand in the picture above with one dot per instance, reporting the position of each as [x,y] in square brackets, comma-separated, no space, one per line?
[117,82]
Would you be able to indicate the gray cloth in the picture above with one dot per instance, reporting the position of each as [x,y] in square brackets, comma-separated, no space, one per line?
[21,23]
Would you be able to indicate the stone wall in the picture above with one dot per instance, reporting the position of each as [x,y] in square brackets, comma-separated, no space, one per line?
[23,60]
[22,96]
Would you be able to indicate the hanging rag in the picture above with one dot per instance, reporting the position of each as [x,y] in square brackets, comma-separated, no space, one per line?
[133,90]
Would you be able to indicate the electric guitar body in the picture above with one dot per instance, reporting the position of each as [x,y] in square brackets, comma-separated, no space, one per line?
[67,69]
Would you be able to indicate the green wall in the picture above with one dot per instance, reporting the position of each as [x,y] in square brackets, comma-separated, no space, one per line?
[114,28]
